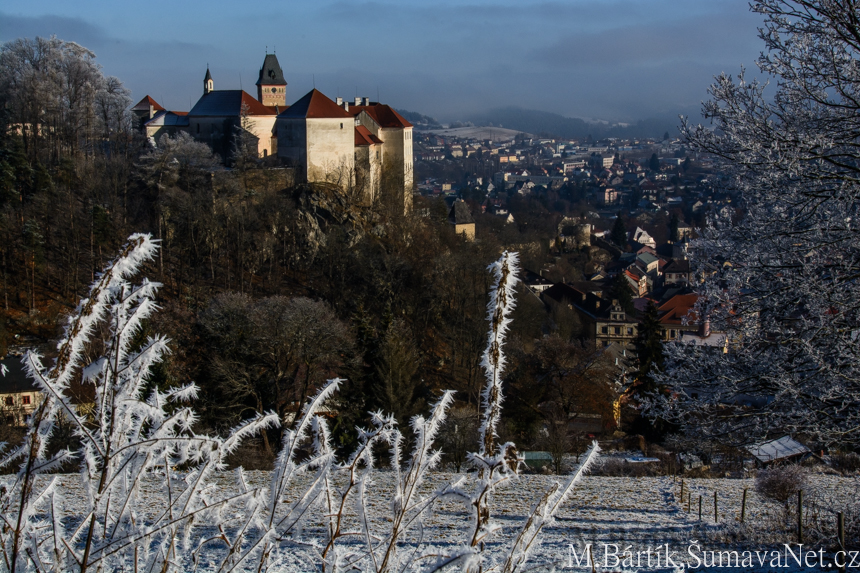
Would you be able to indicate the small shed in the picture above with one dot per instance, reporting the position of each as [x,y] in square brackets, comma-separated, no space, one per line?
[536,460]
[785,449]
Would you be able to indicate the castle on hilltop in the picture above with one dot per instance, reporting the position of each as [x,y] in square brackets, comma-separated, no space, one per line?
[357,144]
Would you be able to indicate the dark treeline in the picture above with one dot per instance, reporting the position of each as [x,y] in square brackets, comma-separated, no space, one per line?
[267,288]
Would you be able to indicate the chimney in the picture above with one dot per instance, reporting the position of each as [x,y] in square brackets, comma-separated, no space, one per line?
[339,100]
[358,101]
[345,105]
[366,101]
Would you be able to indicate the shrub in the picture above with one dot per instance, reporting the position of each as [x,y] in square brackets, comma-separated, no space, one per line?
[846,463]
[780,483]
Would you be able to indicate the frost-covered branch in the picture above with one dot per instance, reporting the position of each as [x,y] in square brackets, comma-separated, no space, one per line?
[789,299]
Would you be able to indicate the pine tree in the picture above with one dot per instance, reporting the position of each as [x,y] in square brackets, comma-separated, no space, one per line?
[619,232]
[673,227]
[620,291]
[649,350]
[654,163]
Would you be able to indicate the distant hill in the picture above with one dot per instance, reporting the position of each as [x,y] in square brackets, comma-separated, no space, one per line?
[418,119]
[547,123]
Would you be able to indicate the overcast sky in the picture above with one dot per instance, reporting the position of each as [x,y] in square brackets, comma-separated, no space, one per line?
[618,60]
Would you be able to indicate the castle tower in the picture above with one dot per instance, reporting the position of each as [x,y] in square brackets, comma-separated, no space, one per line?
[272,87]
[208,84]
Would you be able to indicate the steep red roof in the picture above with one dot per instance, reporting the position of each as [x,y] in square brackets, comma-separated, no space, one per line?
[143,105]
[382,114]
[678,307]
[315,105]
[363,136]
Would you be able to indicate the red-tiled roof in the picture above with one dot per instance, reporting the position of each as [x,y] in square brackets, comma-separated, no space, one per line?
[678,307]
[382,114]
[364,137]
[315,105]
[229,103]
[143,105]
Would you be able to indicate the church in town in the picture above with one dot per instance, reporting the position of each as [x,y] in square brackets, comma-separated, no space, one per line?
[358,144]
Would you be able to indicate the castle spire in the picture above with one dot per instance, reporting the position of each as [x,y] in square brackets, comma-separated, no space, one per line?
[271,86]
[208,84]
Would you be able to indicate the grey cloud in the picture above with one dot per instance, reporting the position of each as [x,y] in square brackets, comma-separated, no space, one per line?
[716,38]
[70,29]
[614,59]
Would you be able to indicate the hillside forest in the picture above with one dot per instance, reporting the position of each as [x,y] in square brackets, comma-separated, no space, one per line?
[269,288]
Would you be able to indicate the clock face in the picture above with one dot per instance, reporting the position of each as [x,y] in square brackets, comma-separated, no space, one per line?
[274,90]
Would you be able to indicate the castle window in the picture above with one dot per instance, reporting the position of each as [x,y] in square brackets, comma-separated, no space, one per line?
[341,126]
[10,401]
[26,400]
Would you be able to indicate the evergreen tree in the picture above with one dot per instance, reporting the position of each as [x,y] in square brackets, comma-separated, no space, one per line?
[620,291]
[649,350]
[654,163]
[619,232]
[673,227]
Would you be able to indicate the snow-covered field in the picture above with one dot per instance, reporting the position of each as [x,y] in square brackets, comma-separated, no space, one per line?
[494,133]
[611,513]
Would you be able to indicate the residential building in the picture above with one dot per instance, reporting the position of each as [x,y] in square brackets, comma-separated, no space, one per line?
[460,217]
[19,397]
[605,320]
[678,272]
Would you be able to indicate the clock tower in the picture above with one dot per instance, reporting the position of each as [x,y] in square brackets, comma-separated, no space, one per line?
[272,87]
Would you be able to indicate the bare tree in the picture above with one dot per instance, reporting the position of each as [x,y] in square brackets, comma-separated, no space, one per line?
[58,95]
[272,353]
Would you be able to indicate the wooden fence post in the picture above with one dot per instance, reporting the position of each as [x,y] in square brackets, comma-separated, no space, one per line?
[700,508]
[744,506]
[800,516]
[840,528]
[716,513]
